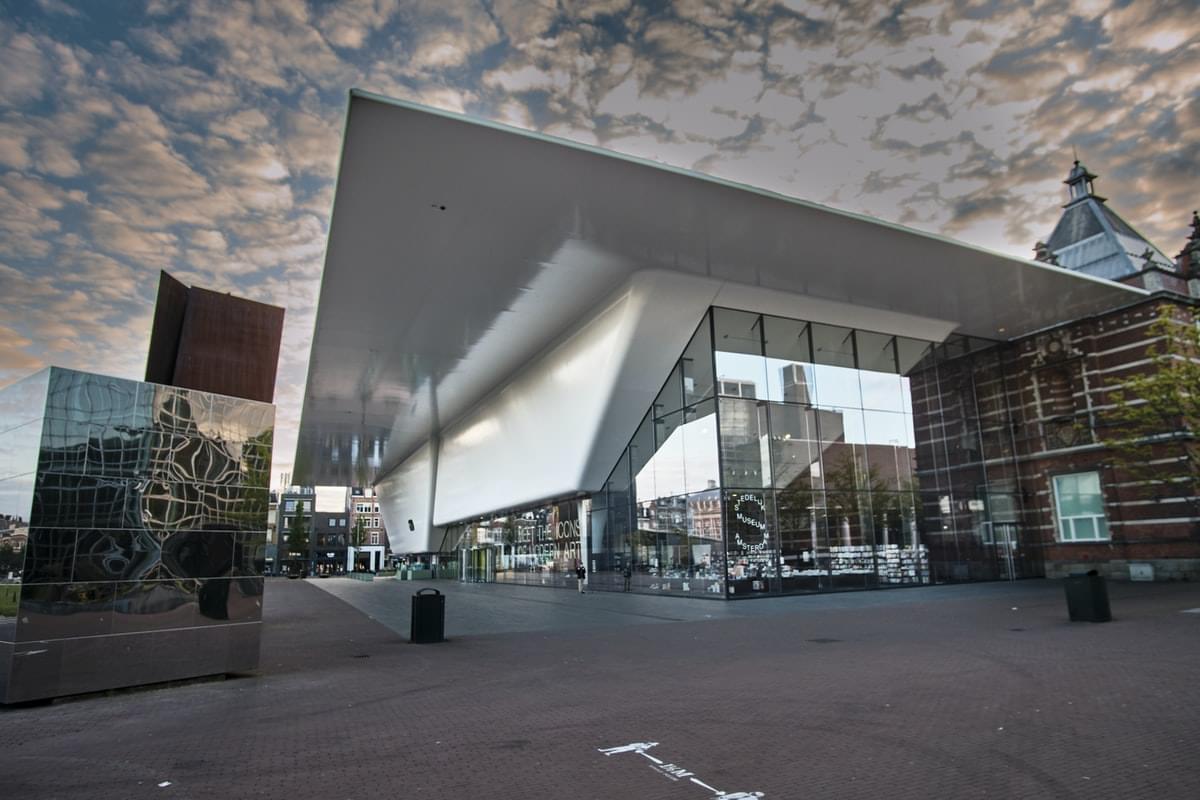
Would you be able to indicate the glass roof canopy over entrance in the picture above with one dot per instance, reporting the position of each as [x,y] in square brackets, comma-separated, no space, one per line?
[483,245]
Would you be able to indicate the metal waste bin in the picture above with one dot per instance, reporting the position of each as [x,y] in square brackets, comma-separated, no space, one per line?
[428,617]
[1087,597]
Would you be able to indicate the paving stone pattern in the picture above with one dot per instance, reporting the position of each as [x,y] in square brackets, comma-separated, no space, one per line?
[947,692]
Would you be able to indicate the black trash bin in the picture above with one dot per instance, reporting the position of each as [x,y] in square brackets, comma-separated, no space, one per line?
[428,617]
[1087,597]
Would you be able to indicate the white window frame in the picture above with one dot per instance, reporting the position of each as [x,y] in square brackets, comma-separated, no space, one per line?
[1065,523]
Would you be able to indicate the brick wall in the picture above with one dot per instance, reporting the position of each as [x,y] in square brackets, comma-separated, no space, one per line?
[1001,422]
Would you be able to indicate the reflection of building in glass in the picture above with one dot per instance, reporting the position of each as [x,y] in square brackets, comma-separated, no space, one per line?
[731,486]
[693,374]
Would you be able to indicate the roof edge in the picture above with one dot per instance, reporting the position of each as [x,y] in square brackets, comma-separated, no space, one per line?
[707,178]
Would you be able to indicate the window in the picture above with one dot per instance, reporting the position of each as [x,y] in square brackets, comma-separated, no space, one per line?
[332,523]
[289,505]
[375,537]
[375,522]
[1080,506]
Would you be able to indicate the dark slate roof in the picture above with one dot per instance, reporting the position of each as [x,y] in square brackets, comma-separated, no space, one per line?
[1077,223]
[1120,225]
[1092,238]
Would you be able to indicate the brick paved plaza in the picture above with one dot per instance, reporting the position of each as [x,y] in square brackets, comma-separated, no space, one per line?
[966,691]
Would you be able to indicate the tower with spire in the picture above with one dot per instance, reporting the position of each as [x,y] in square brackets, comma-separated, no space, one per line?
[1188,260]
[1092,238]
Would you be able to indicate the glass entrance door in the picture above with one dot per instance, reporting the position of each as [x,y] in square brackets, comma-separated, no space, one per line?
[479,564]
[1006,550]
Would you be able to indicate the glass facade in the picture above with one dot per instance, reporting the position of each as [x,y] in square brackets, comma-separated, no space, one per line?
[783,456]
[805,458]
[971,510]
[538,546]
[147,514]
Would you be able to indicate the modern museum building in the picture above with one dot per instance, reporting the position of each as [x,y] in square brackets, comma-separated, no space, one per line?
[572,357]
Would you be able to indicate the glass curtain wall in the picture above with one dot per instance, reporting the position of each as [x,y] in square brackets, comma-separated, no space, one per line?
[971,504]
[536,546]
[818,455]
[656,526]
[784,456]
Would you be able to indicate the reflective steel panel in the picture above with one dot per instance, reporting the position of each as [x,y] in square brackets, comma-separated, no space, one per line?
[146,510]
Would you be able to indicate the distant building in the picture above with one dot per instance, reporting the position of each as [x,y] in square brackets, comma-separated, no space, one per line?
[364,506]
[295,505]
[325,515]
[329,539]
[271,551]
[14,534]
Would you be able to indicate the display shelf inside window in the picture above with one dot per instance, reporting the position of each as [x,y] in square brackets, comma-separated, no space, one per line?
[851,560]
[898,564]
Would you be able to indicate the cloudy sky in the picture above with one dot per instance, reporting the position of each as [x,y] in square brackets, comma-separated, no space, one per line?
[201,136]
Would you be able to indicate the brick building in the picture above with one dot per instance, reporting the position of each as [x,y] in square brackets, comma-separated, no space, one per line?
[1016,477]
[364,506]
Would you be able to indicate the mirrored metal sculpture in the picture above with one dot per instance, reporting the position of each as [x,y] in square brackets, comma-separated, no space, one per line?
[145,512]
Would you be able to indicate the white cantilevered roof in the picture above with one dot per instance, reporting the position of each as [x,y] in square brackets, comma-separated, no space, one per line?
[460,249]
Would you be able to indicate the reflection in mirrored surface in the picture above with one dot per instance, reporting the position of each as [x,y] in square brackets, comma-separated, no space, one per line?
[141,501]
[198,554]
[745,444]
[833,346]
[668,459]
[795,446]
[77,501]
[882,391]
[155,605]
[814,423]
[64,610]
[702,469]
[116,555]
[876,352]
[49,556]
[697,366]
[837,387]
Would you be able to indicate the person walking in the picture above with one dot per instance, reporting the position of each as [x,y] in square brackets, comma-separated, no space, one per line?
[627,574]
[580,574]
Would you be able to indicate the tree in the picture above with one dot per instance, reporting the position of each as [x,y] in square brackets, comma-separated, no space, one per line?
[9,560]
[297,543]
[358,534]
[1159,408]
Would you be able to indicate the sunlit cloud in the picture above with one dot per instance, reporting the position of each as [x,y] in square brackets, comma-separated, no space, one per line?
[202,136]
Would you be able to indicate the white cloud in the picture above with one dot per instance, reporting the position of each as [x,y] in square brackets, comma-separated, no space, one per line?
[220,168]
[349,23]
[24,68]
